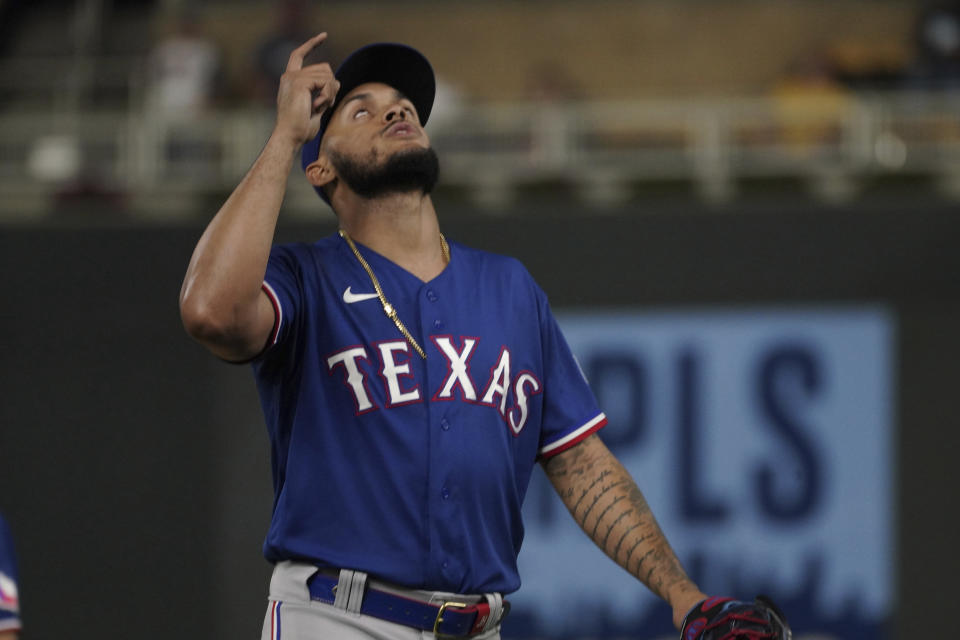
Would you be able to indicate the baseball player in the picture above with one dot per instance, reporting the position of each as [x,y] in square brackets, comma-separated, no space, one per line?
[9,599]
[409,382]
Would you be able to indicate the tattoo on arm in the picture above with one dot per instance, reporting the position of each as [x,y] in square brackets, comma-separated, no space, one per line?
[610,508]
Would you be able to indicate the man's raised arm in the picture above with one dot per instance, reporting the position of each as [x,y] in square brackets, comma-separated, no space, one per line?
[221,301]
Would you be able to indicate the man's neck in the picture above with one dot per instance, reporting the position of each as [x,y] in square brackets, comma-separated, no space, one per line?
[401,227]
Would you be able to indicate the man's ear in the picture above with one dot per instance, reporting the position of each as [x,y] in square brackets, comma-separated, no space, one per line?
[320,172]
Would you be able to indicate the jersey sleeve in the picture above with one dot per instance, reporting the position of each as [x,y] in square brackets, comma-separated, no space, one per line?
[283,284]
[570,412]
[9,595]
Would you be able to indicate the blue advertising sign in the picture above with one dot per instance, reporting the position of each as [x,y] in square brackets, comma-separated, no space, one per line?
[762,440]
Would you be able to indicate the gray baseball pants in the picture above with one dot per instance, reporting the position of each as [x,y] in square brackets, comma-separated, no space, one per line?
[292,615]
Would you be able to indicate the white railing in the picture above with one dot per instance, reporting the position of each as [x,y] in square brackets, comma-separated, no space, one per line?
[603,152]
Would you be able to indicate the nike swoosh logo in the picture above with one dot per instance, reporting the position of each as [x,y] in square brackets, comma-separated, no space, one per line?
[350,297]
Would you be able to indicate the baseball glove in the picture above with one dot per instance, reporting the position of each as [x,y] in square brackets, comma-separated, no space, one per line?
[729,619]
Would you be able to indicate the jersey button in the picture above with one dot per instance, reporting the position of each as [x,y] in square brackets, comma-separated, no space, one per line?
[432,295]
[444,424]
[445,493]
[438,324]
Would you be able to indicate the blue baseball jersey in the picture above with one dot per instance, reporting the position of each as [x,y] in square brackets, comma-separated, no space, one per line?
[411,469]
[9,595]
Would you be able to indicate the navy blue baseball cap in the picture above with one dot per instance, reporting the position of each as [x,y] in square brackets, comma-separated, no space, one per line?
[397,65]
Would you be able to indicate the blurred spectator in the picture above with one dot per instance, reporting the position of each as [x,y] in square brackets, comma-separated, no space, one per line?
[937,63]
[551,86]
[9,598]
[550,81]
[810,103]
[935,74]
[184,70]
[292,27]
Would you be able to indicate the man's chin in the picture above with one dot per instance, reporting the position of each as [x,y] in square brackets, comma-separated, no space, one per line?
[408,170]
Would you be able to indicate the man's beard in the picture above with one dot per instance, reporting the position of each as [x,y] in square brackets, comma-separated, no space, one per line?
[403,172]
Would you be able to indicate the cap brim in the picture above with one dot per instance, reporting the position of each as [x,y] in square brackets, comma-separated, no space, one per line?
[397,65]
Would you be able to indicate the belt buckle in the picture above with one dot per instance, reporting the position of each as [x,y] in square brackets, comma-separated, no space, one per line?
[443,607]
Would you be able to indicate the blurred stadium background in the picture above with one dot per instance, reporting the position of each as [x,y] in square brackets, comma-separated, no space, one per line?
[745,211]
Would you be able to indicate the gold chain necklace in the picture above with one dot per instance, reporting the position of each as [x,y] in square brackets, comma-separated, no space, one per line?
[388,308]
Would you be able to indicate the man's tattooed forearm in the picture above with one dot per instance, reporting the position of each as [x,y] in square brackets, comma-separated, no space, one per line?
[616,550]
[604,490]
[613,524]
[643,559]
[596,526]
[603,475]
[637,543]
[638,501]
[611,509]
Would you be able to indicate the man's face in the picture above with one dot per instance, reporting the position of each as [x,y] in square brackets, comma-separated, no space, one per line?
[376,144]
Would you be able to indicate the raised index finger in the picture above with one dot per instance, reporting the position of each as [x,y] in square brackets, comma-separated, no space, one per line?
[298,54]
